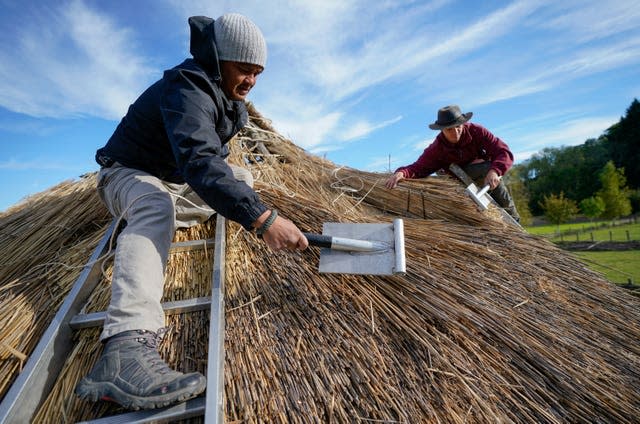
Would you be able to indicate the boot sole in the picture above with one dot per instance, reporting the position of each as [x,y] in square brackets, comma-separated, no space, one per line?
[94,391]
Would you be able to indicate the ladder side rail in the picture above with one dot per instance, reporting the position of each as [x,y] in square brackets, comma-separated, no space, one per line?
[455,168]
[43,366]
[214,413]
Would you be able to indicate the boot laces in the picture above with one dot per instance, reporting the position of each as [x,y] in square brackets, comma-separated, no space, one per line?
[151,354]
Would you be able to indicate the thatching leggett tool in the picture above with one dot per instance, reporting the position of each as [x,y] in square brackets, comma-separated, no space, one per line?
[481,197]
[374,249]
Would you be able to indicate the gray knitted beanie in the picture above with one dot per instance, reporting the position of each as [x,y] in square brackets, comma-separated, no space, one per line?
[239,40]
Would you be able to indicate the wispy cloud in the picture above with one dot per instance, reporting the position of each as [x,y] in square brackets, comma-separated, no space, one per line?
[363,128]
[327,59]
[523,155]
[404,152]
[570,133]
[397,44]
[308,127]
[19,124]
[384,164]
[36,165]
[546,64]
[588,20]
[71,61]
[333,69]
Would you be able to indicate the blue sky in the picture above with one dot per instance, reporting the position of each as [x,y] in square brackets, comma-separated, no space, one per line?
[355,80]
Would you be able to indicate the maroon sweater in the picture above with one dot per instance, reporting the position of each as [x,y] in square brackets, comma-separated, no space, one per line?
[476,142]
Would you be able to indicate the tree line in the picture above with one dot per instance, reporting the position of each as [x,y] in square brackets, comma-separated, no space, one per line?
[599,178]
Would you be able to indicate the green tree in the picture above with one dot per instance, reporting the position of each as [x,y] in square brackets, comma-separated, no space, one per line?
[558,209]
[634,197]
[592,207]
[571,170]
[624,143]
[614,192]
[514,182]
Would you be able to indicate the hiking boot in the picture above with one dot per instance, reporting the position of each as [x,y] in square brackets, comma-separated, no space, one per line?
[131,373]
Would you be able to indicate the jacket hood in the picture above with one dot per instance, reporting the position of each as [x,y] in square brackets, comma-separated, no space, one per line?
[203,43]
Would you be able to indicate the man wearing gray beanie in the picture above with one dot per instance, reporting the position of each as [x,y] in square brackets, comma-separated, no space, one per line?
[164,168]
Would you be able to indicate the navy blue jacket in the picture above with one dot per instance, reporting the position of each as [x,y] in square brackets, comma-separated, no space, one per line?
[178,130]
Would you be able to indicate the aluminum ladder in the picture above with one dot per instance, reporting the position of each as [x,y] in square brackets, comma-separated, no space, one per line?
[43,366]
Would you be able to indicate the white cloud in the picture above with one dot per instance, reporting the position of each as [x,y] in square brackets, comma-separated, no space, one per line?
[363,128]
[570,133]
[403,153]
[384,164]
[419,147]
[17,124]
[35,164]
[523,155]
[405,46]
[558,71]
[327,58]
[71,61]
[307,130]
[338,52]
[589,20]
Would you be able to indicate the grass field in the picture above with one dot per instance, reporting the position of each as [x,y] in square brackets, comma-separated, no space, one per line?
[617,267]
[587,232]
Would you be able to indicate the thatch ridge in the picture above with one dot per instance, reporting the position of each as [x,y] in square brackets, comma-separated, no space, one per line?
[489,324]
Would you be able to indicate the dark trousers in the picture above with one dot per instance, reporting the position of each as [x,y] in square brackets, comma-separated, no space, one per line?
[477,172]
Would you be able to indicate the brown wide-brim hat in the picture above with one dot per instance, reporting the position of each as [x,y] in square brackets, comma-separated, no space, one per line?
[450,116]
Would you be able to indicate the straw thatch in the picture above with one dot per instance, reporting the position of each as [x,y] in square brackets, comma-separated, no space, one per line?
[488,325]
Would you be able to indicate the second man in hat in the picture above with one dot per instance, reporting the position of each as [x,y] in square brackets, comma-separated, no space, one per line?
[482,155]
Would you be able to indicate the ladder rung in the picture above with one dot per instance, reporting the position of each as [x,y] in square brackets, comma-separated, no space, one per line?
[184,246]
[96,319]
[191,408]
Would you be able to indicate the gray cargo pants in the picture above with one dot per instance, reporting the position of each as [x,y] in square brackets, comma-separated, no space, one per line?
[153,210]
[477,172]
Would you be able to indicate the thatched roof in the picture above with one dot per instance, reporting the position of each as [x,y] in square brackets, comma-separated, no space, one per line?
[489,324]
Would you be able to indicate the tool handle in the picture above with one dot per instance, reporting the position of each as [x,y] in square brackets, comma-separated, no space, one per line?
[483,191]
[345,244]
[318,240]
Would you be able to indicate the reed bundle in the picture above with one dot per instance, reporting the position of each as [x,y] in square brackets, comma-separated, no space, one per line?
[489,324]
